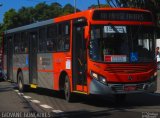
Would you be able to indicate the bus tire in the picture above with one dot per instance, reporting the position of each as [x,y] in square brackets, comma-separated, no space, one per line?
[120,98]
[20,82]
[67,90]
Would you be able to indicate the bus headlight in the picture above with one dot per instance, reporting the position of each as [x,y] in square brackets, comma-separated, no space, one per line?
[102,79]
[98,77]
[94,75]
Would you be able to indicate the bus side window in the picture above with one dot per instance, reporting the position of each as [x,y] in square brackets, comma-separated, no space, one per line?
[51,37]
[66,37]
[63,39]
[17,41]
[24,42]
[42,40]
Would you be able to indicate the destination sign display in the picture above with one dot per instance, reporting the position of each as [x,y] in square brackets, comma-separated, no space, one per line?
[122,15]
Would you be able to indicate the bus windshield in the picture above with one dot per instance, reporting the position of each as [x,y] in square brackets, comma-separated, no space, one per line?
[127,44]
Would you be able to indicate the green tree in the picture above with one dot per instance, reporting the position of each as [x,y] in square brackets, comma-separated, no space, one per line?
[98,6]
[146,4]
[68,9]
[11,19]
[41,12]
[55,10]
[26,15]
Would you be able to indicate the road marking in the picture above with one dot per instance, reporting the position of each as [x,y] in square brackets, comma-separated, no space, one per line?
[27,97]
[46,106]
[57,111]
[16,90]
[35,101]
[20,94]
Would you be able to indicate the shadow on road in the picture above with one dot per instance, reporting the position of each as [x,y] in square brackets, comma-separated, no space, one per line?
[98,114]
[132,100]
[98,106]
[83,114]
[5,86]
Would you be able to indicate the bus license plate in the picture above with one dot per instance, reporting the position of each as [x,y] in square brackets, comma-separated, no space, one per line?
[129,88]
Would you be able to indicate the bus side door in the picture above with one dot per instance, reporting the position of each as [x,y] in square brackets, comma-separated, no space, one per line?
[79,60]
[33,57]
[10,57]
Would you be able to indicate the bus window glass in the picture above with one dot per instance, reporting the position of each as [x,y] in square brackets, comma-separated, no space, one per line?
[51,37]
[17,40]
[24,42]
[42,40]
[121,43]
[60,41]
[66,36]
[63,37]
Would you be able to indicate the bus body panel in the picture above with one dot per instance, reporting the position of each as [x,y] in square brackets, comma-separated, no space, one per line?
[62,63]
[45,70]
[20,62]
[120,73]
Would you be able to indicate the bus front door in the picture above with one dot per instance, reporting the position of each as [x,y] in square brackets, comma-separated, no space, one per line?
[33,58]
[79,59]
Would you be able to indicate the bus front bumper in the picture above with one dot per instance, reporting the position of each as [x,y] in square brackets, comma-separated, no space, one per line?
[97,87]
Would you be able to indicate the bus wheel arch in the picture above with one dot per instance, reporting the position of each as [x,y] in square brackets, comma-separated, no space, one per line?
[18,71]
[65,85]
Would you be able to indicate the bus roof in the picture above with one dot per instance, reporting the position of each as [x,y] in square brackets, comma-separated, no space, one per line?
[30,26]
[87,14]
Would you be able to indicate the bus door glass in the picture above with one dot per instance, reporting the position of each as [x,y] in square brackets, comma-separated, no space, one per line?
[33,57]
[79,57]
[10,57]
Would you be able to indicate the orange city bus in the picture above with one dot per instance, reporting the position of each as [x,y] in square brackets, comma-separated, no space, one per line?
[104,51]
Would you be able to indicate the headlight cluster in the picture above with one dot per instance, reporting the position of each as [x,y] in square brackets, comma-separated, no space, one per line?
[98,77]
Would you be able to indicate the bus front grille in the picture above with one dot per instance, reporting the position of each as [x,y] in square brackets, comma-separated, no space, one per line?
[127,69]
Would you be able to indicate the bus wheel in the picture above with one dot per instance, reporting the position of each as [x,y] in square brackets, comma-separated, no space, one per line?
[120,98]
[20,82]
[67,90]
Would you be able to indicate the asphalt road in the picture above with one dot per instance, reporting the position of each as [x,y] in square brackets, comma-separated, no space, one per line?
[47,101]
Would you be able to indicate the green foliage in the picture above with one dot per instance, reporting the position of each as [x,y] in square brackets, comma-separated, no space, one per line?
[10,19]
[98,6]
[55,10]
